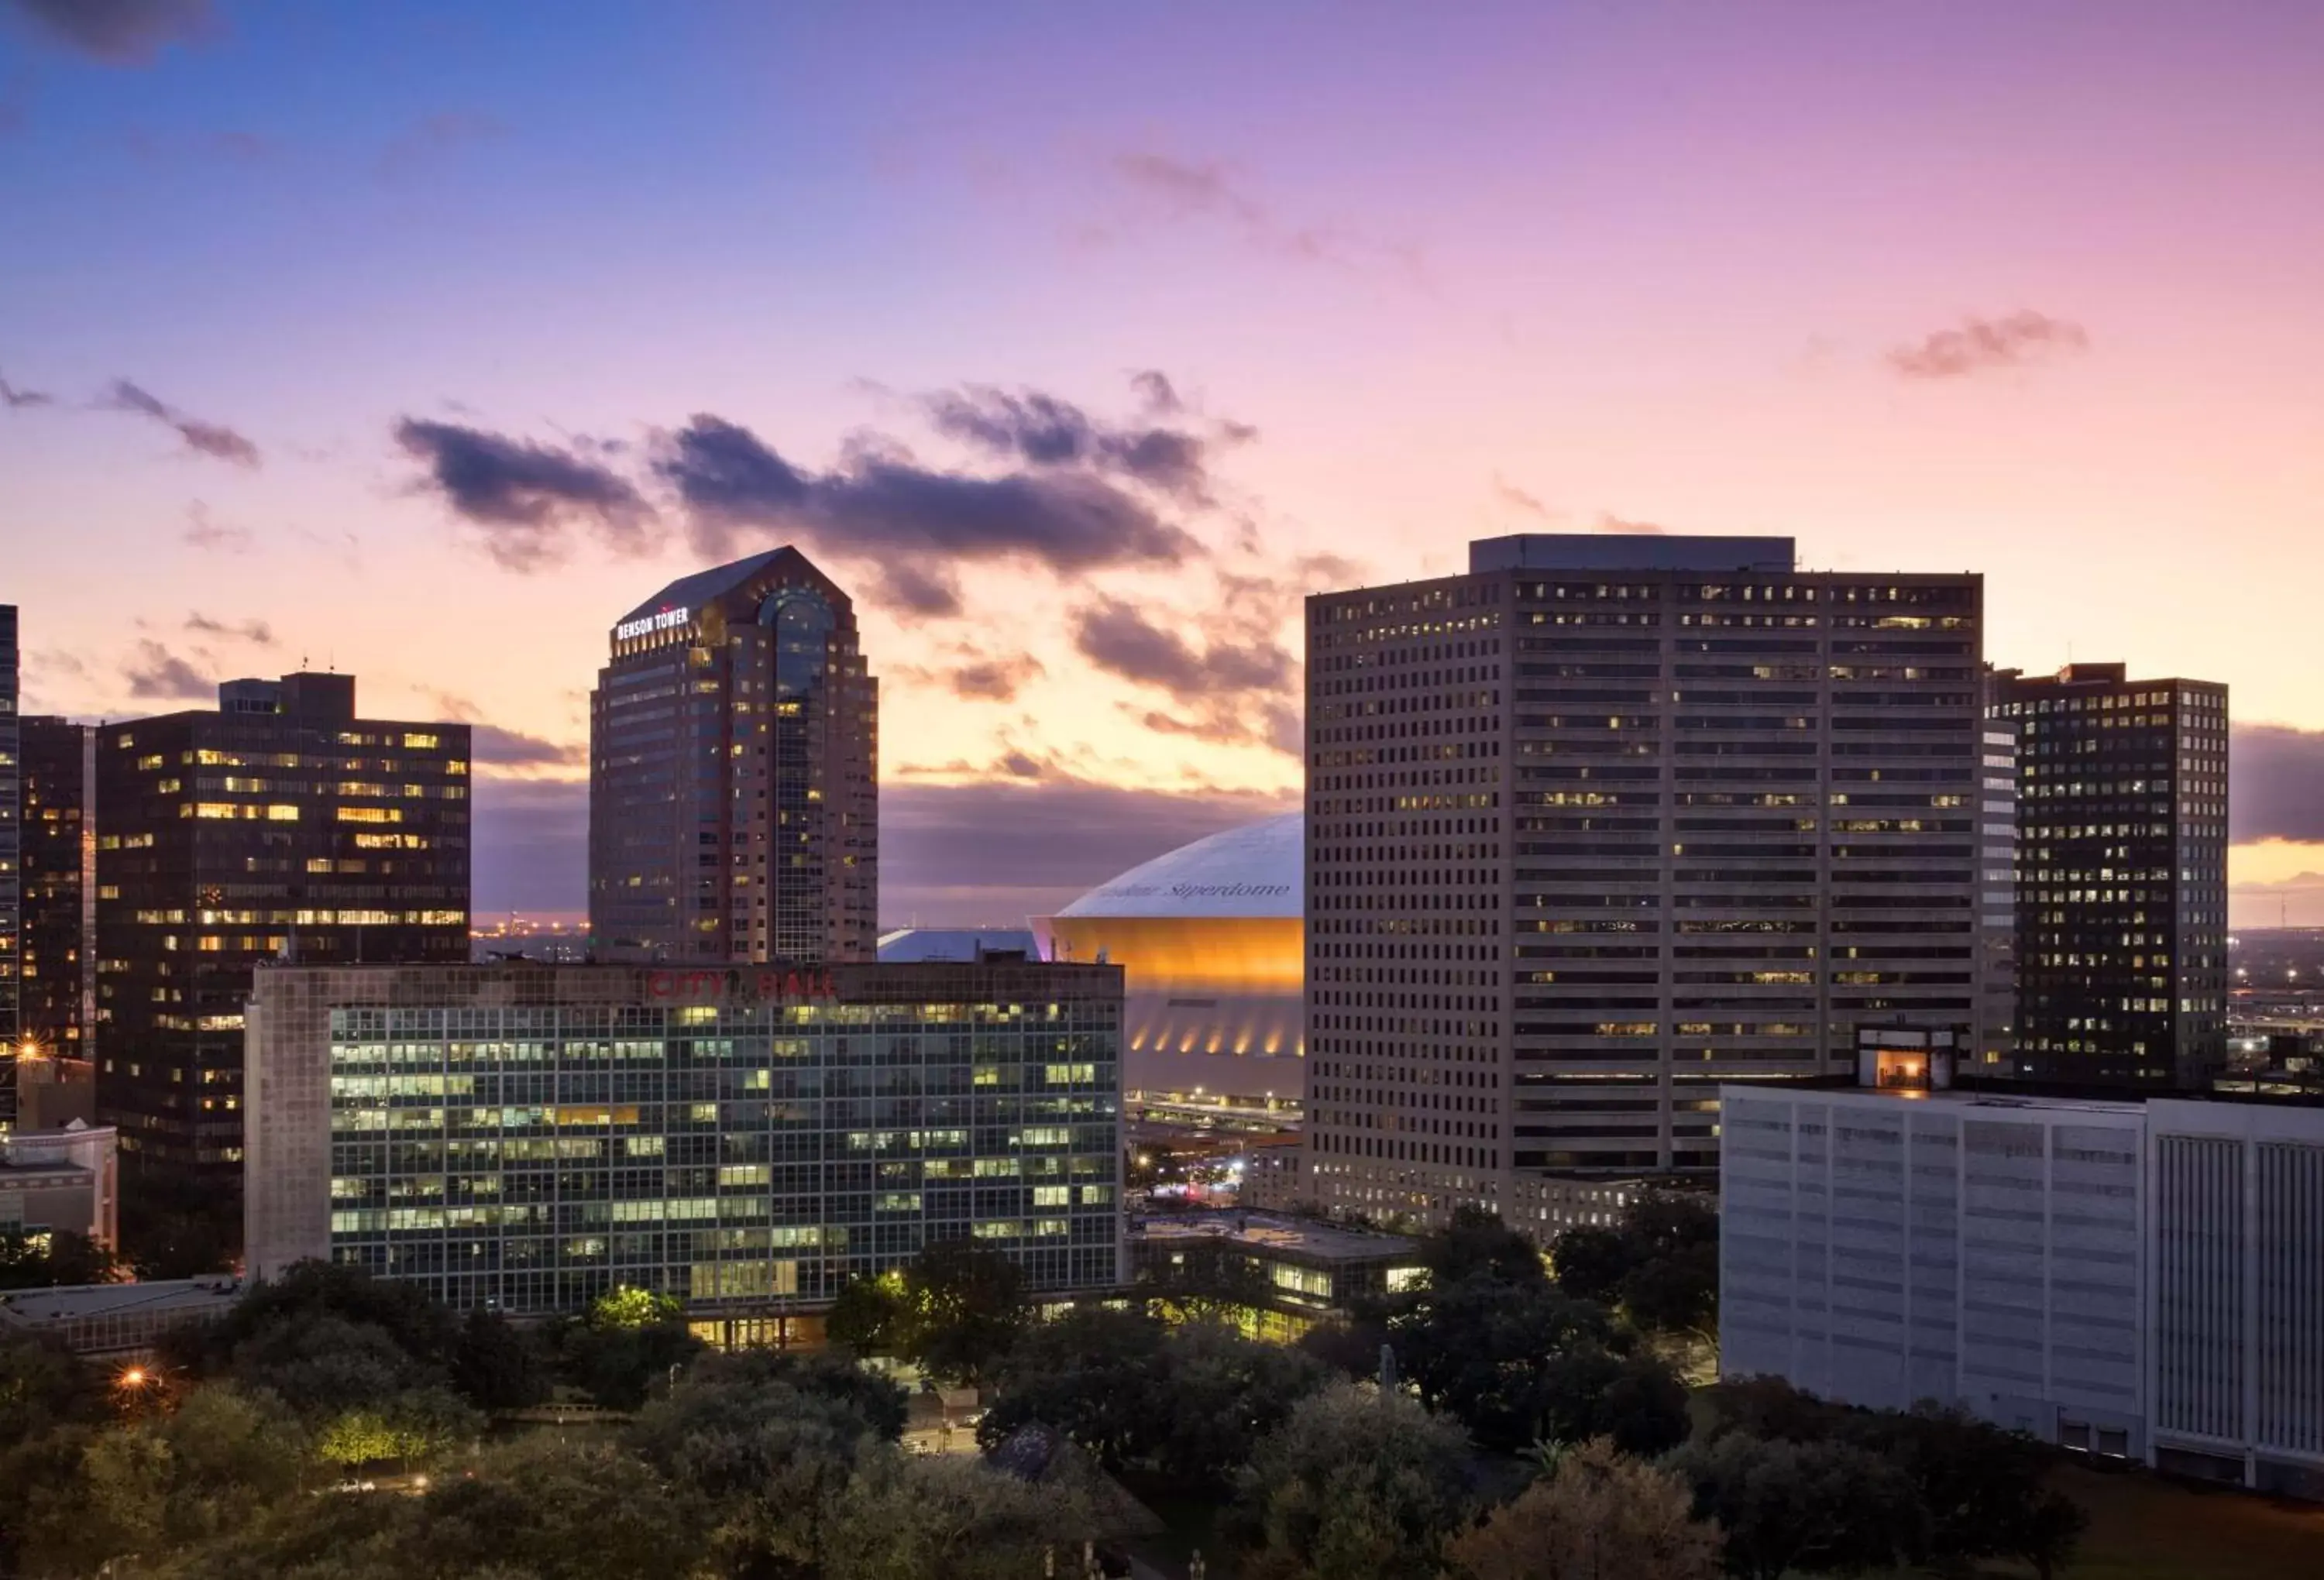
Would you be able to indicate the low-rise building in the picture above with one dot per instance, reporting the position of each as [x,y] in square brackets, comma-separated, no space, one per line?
[66,1179]
[118,1321]
[525,1137]
[2137,1280]
[1281,1275]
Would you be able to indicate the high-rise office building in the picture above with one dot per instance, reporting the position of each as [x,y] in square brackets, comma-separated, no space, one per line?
[734,793]
[59,839]
[11,863]
[525,1137]
[2122,875]
[280,826]
[1610,821]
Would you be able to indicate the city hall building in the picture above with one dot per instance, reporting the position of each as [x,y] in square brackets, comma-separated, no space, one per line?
[524,1137]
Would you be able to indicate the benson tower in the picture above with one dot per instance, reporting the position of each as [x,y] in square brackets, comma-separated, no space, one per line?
[733,796]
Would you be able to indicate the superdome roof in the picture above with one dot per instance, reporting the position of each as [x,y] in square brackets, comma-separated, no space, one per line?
[1258,871]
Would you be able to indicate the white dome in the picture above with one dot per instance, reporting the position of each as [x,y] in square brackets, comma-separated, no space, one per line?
[1253,871]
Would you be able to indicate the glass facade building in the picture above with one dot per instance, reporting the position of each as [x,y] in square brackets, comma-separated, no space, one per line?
[11,863]
[278,826]
[59,886]
[733,804]
[525,1137]
[2122,877]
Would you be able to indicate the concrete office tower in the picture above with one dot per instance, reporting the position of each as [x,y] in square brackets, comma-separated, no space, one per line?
[58,835]
[280,826]
[733,790]
[11,865]
[1610,820]
[525,1137]
[2122,875]
[1997,899]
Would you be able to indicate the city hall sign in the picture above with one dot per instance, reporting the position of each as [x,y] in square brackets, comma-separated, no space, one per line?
[767,985]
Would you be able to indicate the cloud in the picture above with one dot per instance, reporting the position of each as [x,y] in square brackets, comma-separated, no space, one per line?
[202,532]
[158,674]
[526,497]
[1118,638]
[435,134]
[2275,783]
[496,746]
[1239,689]
[1003,851]
[1206,190]
[976,676]
[11,396]
[910,523]
[1042,430]
[1510,493]
[207,438]
[254,631]
[1155,390]
[1982,345]
[120,33]
[1609,523]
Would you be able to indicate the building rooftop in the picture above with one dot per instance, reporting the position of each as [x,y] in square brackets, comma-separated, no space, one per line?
[71,1302]
[915,945]
[1256,870]
[1631,551]
[1268,1232]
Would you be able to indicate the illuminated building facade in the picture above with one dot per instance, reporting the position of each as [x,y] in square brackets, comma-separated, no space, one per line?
[1610,821]
[525,1137]
[58,933]
[733,796]
[11,859]
[1210,935]
[278,826]
[2122,875]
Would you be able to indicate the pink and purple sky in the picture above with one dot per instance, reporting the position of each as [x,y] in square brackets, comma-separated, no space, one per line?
[424,340]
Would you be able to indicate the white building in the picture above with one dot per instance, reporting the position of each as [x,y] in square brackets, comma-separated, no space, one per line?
[2137,1280]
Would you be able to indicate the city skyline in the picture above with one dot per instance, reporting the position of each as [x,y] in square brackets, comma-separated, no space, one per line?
[1121,369]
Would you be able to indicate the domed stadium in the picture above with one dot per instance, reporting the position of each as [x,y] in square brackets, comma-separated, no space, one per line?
[1211,937]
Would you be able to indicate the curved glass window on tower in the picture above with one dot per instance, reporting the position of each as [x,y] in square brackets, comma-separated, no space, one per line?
[802,623]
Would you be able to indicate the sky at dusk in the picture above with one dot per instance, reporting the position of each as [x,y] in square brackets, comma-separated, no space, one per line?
[424,340]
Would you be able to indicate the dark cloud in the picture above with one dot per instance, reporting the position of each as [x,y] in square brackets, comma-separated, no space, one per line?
[207,438]
[495,747]
[997,679]
[434,135]
[202,532]
[1159,396]
[11,396]
[886,511]
[2275,783]
[1982,345]
[255,631]
[158,675]
[1000,852]
[917,590]
[1117,636]
[526,497]
[119,33]
[1042,430]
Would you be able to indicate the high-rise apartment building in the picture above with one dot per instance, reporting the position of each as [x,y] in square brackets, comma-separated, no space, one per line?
[2122,875]
[280,826]
[11,863]
[58,837]
[733,795]
[1610,821]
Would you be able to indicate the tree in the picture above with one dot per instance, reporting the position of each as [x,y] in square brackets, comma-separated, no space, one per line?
[868,1316]
[766,1443]
[1820,1507]
[58,1258]
[325,1365]
[625,1307]
[618,1360]
[496,1364]
[2046,1532]
[43,1385]
[1476,1243]
[412,1429]
[308,1292]
[1599,1515]
[1095,1374]
[1480,1350]
[1210,1279]
[1222,1394]
[965,1305]
[911,1518]
[1355,1485]
[1591,1261]
[542,1508]
[1635,1401]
